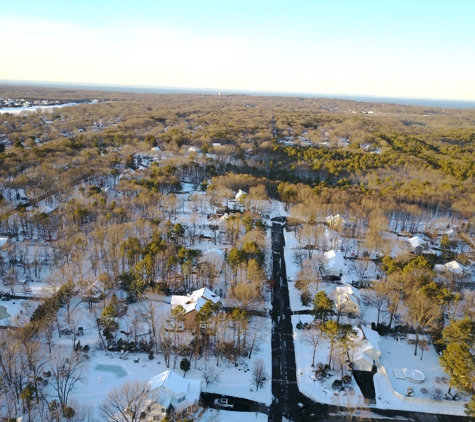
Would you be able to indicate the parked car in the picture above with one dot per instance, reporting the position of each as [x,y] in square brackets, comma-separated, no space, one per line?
[222,402]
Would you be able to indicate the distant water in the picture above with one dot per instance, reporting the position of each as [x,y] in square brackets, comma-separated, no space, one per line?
[16,110]
[424,102]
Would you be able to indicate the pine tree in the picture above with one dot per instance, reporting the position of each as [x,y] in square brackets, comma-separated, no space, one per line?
[322,306]
[458,362]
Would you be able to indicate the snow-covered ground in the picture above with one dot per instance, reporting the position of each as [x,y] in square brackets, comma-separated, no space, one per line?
[233,381]
[213,415]
[317,390]
[390,391]
[399,354]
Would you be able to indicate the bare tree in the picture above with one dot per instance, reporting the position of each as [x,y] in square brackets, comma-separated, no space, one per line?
[259,373]
[259,330]
[377,297]
[361,266]
[421,312]
[150,311]
[346,409]
[133,401]
[312,337]
[67,369]
[210,377]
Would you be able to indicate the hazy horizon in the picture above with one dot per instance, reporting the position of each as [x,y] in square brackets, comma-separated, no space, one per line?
[401,49]
[410,101]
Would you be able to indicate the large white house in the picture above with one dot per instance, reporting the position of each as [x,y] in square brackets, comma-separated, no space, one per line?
[193,302]
[452,267]
[173,390]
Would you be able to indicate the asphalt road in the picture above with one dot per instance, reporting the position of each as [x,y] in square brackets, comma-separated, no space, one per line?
[288,403]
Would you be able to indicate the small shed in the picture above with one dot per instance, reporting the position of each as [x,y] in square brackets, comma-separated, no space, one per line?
[66,331]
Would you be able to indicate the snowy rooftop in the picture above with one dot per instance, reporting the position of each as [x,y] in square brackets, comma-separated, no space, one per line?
[240,193]
[372,336]
[334,260]
[346,293]
[454,267]
[416,241]
[170,380]
[194,301]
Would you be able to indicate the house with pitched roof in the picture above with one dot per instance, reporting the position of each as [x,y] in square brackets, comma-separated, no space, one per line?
[366,349]
[347,300]
[334,264]
[173,390]
[193,302]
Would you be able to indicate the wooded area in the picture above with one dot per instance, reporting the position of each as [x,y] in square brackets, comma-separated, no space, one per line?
[92,192]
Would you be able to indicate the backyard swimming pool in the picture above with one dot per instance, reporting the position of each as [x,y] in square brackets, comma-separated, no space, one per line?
[3,313]
[119,371]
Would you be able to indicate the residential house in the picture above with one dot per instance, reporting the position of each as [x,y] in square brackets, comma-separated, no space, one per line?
[334,264]
[366,349]
[418,245]
[94,293]
[335,221]
[347,300]
[240,195]
[174,390]
[193,302]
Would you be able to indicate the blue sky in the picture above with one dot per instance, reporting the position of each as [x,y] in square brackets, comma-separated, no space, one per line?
[403,48]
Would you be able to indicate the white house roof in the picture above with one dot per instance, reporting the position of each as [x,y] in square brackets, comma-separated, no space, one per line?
[372,337]
[240,193]
[170,380]
[360,355]
[335,219]
[213,251]
[3,241]
[454,267]
[347,293]
[224,217]
[334,260]
[195,300]
[416,241]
